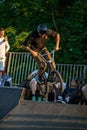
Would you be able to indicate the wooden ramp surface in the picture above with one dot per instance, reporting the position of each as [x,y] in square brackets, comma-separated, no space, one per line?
[45,116]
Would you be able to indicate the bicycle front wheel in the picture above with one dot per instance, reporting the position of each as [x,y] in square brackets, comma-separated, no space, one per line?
[57,80]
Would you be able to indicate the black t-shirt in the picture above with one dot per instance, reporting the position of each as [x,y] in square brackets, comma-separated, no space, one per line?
[37,42]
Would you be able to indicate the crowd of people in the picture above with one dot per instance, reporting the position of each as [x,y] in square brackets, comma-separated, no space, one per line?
[76,93]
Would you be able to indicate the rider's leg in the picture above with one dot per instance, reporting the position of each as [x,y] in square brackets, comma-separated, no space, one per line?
[41,65]
[48,56]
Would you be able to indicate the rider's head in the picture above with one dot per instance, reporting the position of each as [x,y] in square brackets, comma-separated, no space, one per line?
[42,29]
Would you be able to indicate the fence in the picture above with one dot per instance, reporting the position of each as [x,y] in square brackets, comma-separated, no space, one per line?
[20,64]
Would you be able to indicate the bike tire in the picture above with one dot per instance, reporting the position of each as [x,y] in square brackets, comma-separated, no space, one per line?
[56,78]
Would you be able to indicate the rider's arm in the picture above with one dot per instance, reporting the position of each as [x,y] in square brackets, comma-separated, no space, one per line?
[26,46]
[57,42]
[56,36]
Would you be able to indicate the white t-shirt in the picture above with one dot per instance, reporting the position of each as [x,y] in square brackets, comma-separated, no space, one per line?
[35,72]
[64,84]
[4,47]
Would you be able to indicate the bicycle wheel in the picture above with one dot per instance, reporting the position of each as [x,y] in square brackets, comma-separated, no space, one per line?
[57,80]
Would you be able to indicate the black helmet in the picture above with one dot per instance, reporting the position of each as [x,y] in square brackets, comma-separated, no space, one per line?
[42,29]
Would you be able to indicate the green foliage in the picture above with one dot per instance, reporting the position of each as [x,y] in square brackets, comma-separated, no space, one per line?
[11,33]
[68,17]
[18,41]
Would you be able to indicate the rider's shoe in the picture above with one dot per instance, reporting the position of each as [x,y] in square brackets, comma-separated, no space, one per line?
[33,98]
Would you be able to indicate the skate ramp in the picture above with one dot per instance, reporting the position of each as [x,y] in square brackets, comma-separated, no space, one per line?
[9,98]
[45,116]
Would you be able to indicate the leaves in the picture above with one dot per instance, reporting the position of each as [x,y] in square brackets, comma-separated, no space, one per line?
[67,17]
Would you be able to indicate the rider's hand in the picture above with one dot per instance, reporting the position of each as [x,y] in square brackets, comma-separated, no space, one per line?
[56,48]
[34,53]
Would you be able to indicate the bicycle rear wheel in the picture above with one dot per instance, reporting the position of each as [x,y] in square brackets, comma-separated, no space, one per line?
[57,80]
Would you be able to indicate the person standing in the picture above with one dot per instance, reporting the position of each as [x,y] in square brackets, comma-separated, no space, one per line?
[4,48]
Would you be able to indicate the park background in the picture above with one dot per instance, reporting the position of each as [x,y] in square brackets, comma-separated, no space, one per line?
[68,17]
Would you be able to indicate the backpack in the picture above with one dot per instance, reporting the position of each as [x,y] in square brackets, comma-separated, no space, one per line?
[6,80]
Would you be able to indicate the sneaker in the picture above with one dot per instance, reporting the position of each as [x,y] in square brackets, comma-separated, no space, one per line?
[55,101]
[39,99]
[46,100]
[33,98]
[60,98]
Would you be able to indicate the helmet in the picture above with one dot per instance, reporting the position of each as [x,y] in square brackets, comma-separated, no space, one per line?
[42,29]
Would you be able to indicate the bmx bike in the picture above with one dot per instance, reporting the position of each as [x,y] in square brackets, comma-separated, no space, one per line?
[53,76]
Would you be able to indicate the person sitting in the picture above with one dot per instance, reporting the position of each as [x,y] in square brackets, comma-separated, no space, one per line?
[34,85]
[51,93]
[84,93]
[71,94]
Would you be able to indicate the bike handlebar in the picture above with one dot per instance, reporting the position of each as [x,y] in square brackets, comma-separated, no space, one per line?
[52,52]
[48,61]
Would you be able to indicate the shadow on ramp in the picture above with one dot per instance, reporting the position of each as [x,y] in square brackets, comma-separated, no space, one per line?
[45,116]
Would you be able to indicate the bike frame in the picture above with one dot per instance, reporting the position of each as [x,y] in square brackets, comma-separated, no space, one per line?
[49,67]
[52,74]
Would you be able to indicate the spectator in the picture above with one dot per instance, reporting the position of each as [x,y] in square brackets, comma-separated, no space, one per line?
[4,48]
[84,93]
[71,94]
[34,85]
[53,92]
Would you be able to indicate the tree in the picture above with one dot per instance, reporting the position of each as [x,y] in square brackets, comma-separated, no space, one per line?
[68,17]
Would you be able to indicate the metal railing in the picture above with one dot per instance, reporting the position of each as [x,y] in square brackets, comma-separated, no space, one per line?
[20,64]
